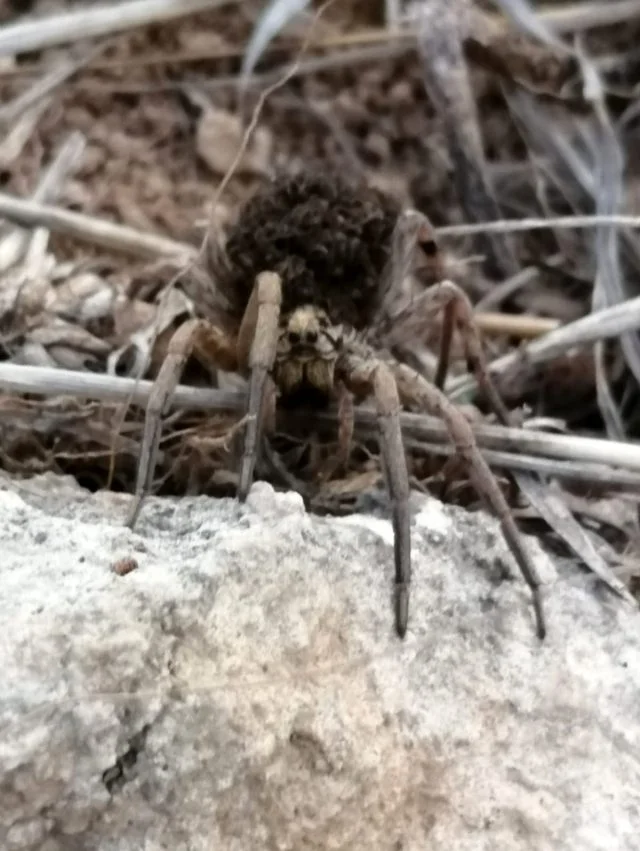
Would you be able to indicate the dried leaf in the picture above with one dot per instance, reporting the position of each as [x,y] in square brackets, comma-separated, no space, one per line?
[23,294]
[131,316]
[219,137]
[202,41]
[133,358]
[351,486]
[59,332]
[33,354]
[82,298]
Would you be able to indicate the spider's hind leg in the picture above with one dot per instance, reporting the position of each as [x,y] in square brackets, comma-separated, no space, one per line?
[257,341]
[415,389]
[458,315]
[212,346]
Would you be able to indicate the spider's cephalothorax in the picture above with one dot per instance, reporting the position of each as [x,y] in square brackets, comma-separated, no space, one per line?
[307,278]
[308,348]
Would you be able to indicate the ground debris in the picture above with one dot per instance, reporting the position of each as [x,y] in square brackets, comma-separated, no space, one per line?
[159,110]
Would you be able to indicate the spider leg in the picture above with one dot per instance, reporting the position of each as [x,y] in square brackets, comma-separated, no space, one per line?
[346,423]
[458,314]
[412,230]
[414,388]
[364,375]
[257,341]
[212,346]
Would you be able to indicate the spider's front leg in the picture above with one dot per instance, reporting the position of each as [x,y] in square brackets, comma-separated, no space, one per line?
[257,342]
[212,346]
[365,375]
[415,389]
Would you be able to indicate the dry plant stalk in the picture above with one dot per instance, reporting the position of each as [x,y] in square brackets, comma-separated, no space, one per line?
[68,27]
[611,322]
[16,379]
[94,230]
[67,159]
[442,28]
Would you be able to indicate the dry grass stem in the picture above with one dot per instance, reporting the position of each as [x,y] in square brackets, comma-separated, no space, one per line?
[529,224]
[571,471]
[44,381]
[508,288]
[15,140]
[601,325]
[13,246]
[151,246]
[67,27]
[94,230]
[441,34]
[34,35]
[10,112]
[576,17]
[514,325]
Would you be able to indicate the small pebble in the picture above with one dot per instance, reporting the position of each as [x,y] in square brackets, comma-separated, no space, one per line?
[124,566]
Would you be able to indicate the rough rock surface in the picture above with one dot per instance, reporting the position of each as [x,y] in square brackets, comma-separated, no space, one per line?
[242,688]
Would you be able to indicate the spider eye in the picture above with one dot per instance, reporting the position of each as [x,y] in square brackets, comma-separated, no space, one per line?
[323,322]
[294,337]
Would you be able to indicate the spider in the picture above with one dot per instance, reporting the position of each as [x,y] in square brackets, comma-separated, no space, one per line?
[303,291]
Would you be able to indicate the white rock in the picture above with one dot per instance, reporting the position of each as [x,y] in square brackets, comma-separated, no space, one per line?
[244,689]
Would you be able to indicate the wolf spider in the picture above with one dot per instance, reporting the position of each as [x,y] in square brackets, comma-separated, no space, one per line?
[302,289]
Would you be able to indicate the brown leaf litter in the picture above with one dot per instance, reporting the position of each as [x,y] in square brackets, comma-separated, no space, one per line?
[158,109]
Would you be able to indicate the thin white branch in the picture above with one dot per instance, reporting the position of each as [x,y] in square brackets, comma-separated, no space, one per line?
[576,471]
[110,235]
[572,17]
[13,142]
[43,381]
[561,222]
[94,230]
[13,246]
[94,22]
[604,324]
[39,89]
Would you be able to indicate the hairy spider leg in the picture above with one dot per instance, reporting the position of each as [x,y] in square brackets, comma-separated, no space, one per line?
[257,342]
[211,346]
[412,230]
[458,314]
[365,375]
[415,389]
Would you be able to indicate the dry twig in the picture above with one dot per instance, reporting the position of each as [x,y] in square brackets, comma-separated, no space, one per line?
[67,27]
[12,247]
[17,379]
[536,223]
[94,230]
[602,325]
